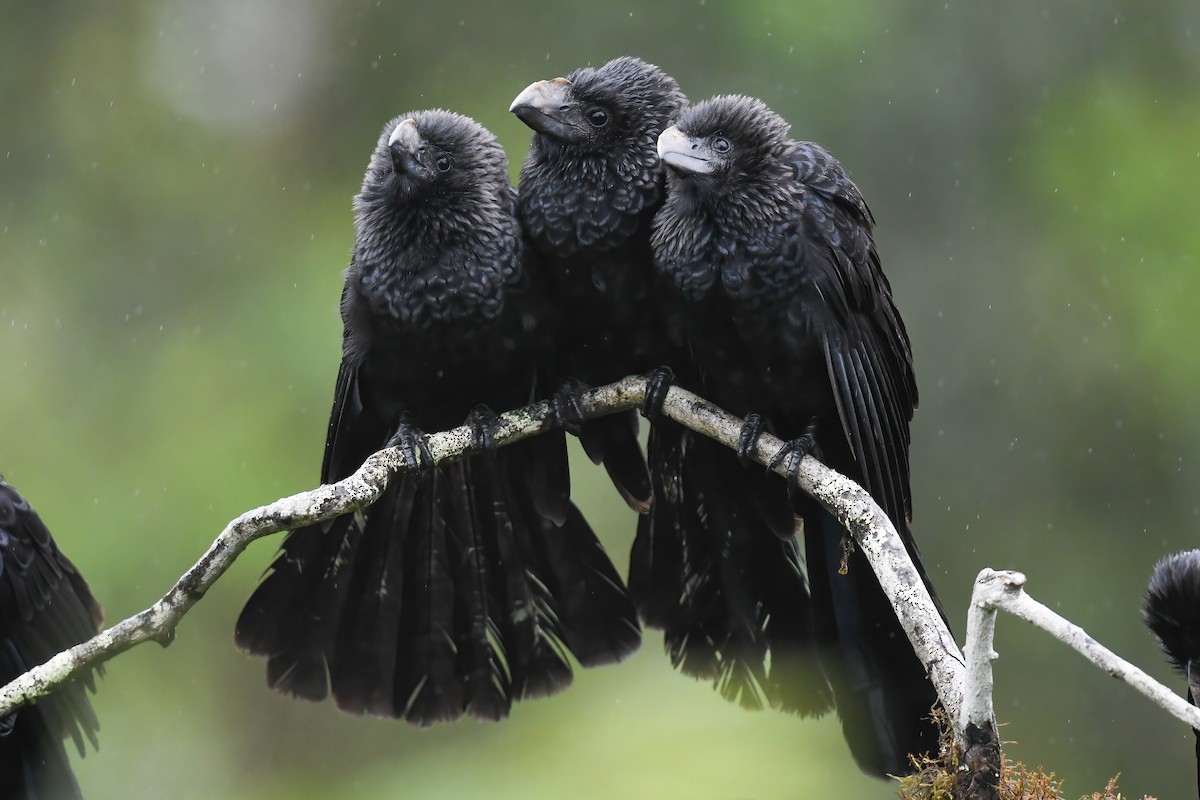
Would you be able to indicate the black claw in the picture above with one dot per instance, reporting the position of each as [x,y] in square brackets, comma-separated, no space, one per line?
[482,421]
[794,452]
[565,408]
[748,438]
[415,444]
[657,385]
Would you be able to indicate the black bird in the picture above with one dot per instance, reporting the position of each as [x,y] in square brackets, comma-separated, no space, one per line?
[588,192]
[464,587]
[790,319]
[706,567]
[45,608]
[1172,612]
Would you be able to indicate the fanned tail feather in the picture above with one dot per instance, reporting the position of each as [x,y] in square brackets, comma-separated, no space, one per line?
[797,683]
[742,649]
[367,640]
[549,475]
[712,567]
[655,573]
[429,687]
[598,620]
[292,616]
[883,696]
[613,442]
[482,652]
[462,589]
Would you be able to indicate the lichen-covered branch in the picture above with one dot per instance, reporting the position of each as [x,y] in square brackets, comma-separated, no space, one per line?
[869,525]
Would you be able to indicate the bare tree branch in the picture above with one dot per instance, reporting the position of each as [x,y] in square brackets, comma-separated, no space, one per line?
[852,505]
[976,730]
[1005,590]
[977,707]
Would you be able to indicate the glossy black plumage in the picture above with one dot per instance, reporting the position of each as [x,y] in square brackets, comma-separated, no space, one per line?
[464,587]
[1172,613]
[588,191]
[787,313]
[705,567]
[45,608]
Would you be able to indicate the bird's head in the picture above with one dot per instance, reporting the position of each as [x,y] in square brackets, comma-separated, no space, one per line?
[434,154]
[621,104]
[725,139]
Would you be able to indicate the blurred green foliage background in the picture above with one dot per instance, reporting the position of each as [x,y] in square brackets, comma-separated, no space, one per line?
[175,184]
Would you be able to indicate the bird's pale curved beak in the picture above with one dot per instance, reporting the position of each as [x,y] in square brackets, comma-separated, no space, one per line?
[547,107]
[684,154]
[405,144]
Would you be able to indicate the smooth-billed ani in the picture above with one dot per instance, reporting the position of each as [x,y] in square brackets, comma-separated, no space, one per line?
[45,608]
[589,189]
[706,567]
[464,586]
[1172,612]
[788,315]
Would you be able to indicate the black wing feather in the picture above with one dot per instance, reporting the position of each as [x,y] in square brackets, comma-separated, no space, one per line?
[45,607]
[865,343]
[869,363]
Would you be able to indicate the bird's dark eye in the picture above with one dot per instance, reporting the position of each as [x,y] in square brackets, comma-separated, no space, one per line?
[443,163]
[598,117]
[721,145]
